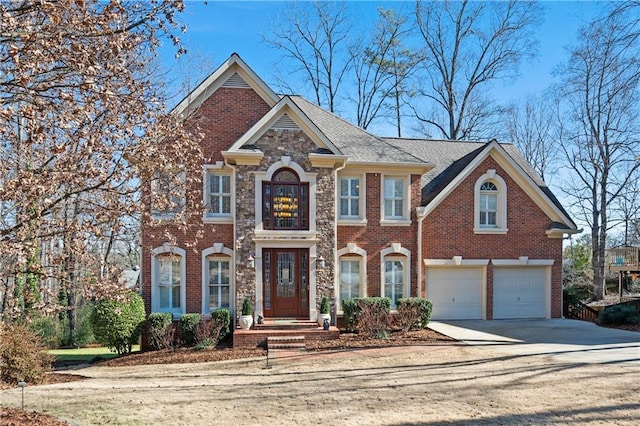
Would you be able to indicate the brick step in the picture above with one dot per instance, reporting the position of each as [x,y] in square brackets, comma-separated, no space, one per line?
[287,325]
[286,342]
[259,336]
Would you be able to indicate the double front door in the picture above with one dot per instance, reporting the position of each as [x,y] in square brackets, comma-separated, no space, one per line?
[286,282]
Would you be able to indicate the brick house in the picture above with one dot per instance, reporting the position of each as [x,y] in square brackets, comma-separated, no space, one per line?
[300,204]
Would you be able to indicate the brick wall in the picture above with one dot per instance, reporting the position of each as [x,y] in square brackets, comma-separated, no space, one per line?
[221,119]
[375,237]
[448,232]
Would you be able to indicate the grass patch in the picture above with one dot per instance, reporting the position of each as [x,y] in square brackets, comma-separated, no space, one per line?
[85,354]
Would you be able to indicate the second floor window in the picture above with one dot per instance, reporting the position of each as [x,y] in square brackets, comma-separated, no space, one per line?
[488,205]
[218,201]
[285,202]
[349,197]
[393,198]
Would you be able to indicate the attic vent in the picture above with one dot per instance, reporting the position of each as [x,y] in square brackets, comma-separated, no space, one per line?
[285,123]
[236,81]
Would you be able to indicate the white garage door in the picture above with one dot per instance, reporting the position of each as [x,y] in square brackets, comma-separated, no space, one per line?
[456,292]
[519,292]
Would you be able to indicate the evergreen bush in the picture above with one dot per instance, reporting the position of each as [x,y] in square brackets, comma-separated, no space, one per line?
[619,314]
[187,327]
[117,324]
[157,326]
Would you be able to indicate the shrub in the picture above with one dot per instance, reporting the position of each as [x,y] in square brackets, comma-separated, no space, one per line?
[118,324]
[208,331]
[619,314]
[157,326]
[350,309]
[413,312]
[372,317]
[187,327]
[223,315]
[246,306]
[325,307]
[22,355]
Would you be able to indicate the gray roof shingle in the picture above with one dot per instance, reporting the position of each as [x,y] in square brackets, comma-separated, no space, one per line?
[356,143]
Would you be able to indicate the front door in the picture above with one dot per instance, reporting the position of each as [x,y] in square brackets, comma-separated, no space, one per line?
[286,277]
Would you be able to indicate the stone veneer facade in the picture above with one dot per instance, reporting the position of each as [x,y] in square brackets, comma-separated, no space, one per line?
[294,147]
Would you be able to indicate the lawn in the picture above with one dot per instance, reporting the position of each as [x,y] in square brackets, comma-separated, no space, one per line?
[85,354]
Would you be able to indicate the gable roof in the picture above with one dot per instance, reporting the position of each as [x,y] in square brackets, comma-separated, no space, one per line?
[285,111]
[235,73]
[455,160]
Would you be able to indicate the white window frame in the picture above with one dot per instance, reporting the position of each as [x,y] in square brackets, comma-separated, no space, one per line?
[156,254]
[351,253]
[217,252]
[219,170]
[405,219]
[359,219]
[501,204]
[396,252]
[182,197]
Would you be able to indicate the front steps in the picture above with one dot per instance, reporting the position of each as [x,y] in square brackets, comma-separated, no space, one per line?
[277,332]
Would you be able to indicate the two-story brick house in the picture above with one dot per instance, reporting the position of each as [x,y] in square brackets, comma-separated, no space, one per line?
[300,204]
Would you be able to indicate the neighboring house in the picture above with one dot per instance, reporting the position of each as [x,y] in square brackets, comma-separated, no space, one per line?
[300,204]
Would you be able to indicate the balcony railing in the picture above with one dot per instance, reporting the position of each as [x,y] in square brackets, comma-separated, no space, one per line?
[623,259]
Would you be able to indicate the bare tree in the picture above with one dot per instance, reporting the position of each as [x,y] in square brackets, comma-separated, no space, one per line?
[82,127]
[600,129]
[314,35]
[467,46]
[530,127]
[381,66]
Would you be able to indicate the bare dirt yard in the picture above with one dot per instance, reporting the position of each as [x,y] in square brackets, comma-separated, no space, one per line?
[432,383]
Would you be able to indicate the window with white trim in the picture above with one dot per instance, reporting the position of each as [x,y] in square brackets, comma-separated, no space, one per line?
[488,205]
[167,194]
[394,279]
[394,198]
[349,198]
[490,211]
[350,279]
[169,284]
[218,281]
[218,195]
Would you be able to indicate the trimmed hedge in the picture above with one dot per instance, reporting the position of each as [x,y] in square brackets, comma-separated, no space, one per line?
[223,315]
[157,325]
[423,307]
[187,328]
[369,315]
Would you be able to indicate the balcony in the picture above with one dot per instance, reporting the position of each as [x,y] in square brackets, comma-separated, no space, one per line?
[623,259]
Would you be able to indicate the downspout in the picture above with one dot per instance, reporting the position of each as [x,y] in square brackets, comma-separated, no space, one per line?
[421,216]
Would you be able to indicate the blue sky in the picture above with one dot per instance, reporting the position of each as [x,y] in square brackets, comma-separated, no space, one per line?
[219,28]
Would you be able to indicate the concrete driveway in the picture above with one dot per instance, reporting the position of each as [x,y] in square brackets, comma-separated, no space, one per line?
[563,340]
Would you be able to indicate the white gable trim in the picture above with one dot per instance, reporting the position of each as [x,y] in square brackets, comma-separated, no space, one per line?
[285,106]
[524,181]
[218,78]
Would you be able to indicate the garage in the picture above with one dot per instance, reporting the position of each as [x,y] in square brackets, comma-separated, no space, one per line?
[456,292]
[520,292]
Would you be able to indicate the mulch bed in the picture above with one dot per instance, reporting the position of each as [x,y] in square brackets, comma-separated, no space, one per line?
[17,417]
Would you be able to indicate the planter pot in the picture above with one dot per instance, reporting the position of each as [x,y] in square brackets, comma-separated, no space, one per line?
[322,317]
[245,322]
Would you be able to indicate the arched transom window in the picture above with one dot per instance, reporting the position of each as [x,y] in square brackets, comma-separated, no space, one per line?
[285,201]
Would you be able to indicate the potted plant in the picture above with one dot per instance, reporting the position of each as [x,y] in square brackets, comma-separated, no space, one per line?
[246,319]
[325,309]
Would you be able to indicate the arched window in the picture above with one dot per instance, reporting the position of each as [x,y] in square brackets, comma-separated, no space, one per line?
[285,201]
[490,204]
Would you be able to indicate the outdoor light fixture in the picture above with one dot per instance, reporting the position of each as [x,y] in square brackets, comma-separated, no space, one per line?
[21,385]
[321,262]
[251,262]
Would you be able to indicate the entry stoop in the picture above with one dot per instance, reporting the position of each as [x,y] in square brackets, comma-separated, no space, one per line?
[293,331]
